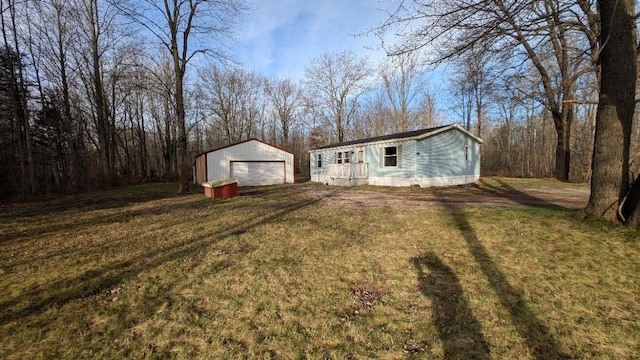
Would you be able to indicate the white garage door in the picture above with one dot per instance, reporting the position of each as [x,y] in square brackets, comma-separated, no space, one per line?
[256,173]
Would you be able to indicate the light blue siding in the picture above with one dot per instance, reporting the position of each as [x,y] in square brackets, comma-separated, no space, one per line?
[406,161]
[328,157]
[435,160]
[313,163]
[444,155]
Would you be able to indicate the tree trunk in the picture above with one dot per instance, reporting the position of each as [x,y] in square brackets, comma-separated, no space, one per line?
[629,208]
[22,95]
[479,107]
[179,66]
[142,138]
[101,116]
[632,203]
[70,148]
[563,145]
[15,102]
[181,150]
[609,180]
[339,126]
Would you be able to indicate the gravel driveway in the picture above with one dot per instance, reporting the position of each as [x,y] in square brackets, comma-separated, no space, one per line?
[504,195]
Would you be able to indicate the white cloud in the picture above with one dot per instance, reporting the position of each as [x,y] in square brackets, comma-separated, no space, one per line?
[279,37]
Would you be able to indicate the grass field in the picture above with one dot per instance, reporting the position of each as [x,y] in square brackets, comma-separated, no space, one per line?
[140,272]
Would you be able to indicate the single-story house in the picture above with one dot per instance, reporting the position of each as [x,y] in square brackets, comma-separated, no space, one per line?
[251,162]
[439,156]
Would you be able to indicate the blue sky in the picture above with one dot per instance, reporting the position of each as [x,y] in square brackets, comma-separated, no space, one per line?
[280,36]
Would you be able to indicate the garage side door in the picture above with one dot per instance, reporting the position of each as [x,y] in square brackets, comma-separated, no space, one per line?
[250,173]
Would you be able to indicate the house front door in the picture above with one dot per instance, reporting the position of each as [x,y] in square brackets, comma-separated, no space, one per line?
[360,159]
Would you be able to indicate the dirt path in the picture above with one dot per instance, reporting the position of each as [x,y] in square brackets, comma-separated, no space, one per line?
[504,196]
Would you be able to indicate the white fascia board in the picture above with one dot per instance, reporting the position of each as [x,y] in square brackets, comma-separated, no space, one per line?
[379,142]
[453,126]
[400,140]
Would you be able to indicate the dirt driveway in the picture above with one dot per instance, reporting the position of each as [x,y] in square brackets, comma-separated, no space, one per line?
[503,193]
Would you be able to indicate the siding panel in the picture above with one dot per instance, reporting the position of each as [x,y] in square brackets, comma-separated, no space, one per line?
[444,155]
[406,160]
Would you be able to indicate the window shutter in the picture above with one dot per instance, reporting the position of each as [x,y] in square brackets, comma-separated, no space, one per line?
[382,156]
[399,154]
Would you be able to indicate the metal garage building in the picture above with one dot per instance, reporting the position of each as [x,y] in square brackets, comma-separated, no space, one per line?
[251,162]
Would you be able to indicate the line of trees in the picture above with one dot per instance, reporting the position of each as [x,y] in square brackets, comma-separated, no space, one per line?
[561,48]
[97,93]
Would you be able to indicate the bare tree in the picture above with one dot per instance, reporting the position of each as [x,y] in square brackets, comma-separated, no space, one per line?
[508,105]
[462,92]
[618,59]
[18,90]
[286,100]
[179,25]
[234,101]
[55,42]
[339,80]
[375,117]
[98,44]
[86,107]
[473,84]
[162,111]
[544,33]
[98,18]
[404,84]
[428,114]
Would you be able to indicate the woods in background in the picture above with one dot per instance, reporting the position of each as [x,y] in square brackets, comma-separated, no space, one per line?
[97,93]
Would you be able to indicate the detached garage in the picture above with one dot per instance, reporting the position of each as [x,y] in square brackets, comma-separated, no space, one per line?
[251,162]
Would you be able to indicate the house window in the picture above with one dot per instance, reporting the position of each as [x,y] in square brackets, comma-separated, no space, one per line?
[342,157]
[466,153]
[360,156]
[319,160]
[391,156]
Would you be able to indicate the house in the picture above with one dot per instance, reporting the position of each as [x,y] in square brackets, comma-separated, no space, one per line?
[251,162]
[439,156]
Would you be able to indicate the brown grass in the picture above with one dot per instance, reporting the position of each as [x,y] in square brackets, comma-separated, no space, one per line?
[142,273]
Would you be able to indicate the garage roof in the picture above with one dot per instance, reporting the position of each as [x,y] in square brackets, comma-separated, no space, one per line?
[241,142]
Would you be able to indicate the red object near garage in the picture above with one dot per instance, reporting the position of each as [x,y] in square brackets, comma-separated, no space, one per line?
[220,189]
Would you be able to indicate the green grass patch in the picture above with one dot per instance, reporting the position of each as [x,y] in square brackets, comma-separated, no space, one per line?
[283,273]
[493,183]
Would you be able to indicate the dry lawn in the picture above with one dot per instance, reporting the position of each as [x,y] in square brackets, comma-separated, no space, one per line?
[300,271]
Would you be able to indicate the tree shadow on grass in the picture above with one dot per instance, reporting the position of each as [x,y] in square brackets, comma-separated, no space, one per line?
[70,223]
[98,200]
[260,191]
[38,298]
[506,191]
[536,335]
[458,329]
